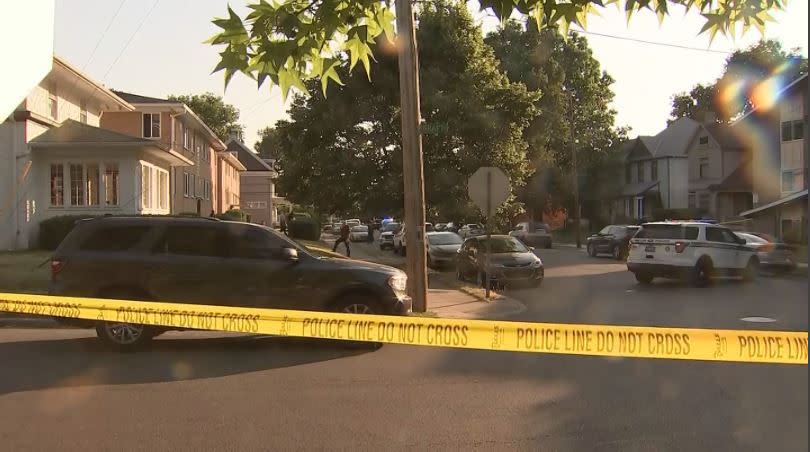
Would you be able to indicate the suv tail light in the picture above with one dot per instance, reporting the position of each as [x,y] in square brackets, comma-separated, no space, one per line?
[680,246]
[56,266]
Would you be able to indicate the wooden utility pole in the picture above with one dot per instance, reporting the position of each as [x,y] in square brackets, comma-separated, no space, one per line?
[576,175]
[412,169]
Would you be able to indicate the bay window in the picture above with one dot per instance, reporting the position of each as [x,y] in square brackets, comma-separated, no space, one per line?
[154,188]
[92,181]
[57,184]
[76,184]
[111,184]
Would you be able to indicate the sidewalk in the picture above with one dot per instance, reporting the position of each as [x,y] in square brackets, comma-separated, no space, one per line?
[447,297]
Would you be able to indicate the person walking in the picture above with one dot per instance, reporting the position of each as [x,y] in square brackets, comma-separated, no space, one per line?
[344,238]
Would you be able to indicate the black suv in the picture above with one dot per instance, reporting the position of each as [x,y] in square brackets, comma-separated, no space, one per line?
[207,261]
[613,240]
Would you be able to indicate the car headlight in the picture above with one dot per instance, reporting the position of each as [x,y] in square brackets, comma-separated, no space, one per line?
[537,263]
[398,282]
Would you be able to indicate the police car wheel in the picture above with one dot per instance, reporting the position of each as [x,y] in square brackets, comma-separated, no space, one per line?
[643,278]
[701,274]
[751,270]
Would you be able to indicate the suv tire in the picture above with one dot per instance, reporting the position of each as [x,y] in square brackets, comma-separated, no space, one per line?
[591,250]
[123,337]
[643,278]
[701,273]
[357,303]
[617,252]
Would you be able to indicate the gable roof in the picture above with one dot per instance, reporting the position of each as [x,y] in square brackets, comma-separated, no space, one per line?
[248,158]
[138,99]
[675,139]
[724,136]
[75,132]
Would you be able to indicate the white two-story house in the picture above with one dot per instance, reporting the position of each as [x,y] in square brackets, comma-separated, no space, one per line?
[655,173]
[56,160]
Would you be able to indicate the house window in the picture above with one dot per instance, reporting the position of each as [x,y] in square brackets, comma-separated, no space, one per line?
[789,180]
[76,184]
[163,190]
[192,185]
[151,125]
[92,183]
[640,171]
[83,115]
[185,137]
[654,170]
[639,207]
[57,185]
[53,105]
[703,168]
[111,184]
[627,174]
[692,200]
[146,187]
[186,179]
[704,140]
[792,130]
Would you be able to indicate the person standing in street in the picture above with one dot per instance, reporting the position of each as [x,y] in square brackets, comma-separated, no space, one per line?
[344,238]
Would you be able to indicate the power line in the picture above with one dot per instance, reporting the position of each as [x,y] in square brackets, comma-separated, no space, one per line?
[104,34]
[655,43]
[132,36]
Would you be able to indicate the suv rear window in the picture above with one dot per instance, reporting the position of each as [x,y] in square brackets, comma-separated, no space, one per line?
[668,231]
[114,238]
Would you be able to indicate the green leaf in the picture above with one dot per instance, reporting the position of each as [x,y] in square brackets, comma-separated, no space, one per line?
[288,78]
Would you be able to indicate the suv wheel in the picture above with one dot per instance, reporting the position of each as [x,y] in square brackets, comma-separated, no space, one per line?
[459,275]
[701,274]
[123,336]
[751,270]
[591,250]
[357,304]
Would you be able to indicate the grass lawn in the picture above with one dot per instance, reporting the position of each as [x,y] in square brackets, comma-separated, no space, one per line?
[24,271]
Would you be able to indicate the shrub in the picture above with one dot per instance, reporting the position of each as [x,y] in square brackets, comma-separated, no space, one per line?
[304,229]
[53,230]
[234,215]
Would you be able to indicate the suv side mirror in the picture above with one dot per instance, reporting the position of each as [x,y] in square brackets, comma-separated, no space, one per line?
[290,254]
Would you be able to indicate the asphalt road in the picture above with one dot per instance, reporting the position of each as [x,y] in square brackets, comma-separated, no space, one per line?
[207,391]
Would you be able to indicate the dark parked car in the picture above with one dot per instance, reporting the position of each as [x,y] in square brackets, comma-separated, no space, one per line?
[773,254]
[510,261]
[207,261]
[613,240]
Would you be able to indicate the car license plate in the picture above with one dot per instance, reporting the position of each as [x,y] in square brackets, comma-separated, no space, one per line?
[649,248]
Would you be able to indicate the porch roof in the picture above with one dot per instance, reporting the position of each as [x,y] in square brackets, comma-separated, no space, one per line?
[72,133]
[638,189]
[779,202]
[738,181]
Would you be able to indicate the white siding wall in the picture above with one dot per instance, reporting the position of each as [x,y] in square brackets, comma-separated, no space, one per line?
[679,184]
[68,102]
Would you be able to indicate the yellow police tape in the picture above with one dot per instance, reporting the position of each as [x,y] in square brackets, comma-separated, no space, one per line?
[597,340]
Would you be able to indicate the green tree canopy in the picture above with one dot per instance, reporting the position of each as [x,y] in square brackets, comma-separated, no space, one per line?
[220,117]
[342,152]
[575,103]
[734,92]
[289,41]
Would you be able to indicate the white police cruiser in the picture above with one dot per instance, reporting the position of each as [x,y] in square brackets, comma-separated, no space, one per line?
[692,250]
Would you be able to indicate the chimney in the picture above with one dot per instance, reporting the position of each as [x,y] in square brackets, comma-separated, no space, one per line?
[710,117]
[235,135]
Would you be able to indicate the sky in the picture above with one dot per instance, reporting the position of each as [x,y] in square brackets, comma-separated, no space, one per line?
[155,48]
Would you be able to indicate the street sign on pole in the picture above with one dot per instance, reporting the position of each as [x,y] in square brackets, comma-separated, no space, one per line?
[488,188]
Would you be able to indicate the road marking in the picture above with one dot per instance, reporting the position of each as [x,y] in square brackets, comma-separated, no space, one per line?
[758,319]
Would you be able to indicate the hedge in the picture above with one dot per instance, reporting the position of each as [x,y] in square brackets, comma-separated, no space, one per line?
[304,228]
[234,215]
